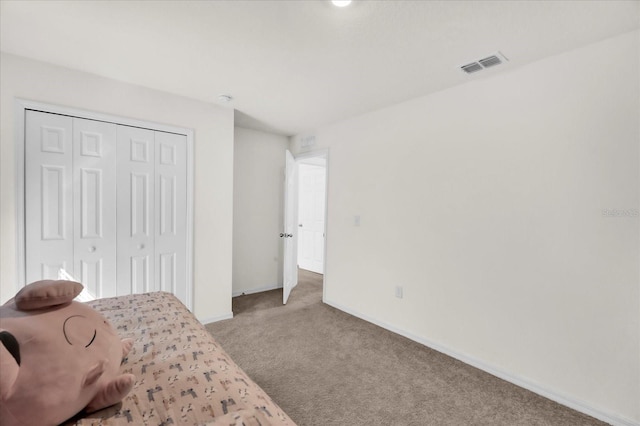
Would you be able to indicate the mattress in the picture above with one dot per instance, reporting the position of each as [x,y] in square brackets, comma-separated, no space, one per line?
[183,375]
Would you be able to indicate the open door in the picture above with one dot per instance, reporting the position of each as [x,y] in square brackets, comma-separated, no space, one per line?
[290,234]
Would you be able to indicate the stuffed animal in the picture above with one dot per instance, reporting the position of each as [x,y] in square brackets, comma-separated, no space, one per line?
[57,357]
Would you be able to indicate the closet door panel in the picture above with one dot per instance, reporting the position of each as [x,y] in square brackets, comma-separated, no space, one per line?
[48,195]
[170,208]
[135,210]
[94,198]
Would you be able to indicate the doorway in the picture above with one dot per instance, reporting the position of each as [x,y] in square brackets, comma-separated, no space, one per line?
[312,178]
[311,211]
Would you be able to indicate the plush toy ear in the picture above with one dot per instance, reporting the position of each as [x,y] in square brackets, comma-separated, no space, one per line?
[43,294]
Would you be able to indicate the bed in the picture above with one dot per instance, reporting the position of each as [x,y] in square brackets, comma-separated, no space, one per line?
[183,376]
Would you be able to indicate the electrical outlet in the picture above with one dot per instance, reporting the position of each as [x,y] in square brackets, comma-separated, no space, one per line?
[399,291]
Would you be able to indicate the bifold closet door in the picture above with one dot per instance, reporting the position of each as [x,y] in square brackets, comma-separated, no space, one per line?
[94,197]
[70,191]
[171,212]
[48,200]
[136,217]
[107,203]
[151,211]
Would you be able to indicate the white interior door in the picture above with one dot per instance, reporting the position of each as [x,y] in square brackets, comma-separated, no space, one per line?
[171,212]
[152,208]
[311,217]
[106,203]
[289,235]
[48,202]
[94,198]
[136,218]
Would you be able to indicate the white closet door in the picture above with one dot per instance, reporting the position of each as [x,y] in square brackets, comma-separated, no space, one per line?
[48,203]
[171,210]
[135,210]
[107,203]
[94,195]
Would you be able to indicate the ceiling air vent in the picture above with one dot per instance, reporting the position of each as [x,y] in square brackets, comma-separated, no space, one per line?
[489,61]
[472,67]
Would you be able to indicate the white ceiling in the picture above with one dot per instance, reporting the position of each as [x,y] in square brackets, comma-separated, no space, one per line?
[294,65]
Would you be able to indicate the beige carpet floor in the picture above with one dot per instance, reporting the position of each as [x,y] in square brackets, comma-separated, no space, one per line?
[325,367]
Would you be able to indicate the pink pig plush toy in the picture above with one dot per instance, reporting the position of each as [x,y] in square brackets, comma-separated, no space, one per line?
[57,357]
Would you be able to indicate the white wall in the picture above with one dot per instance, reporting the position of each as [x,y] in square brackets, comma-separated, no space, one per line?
[257,210]
[213,151]
[485,202]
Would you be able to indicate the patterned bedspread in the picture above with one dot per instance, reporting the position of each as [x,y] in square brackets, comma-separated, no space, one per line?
[183,376]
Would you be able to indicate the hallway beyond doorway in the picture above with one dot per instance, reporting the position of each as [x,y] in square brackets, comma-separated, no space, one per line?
[308,291]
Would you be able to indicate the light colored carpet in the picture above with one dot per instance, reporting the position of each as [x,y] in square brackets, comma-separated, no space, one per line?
[325,367]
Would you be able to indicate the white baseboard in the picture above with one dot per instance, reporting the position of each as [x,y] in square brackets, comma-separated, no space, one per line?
[571,402]
[206,321]
[256,290]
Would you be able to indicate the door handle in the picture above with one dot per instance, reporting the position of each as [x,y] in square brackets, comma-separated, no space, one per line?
[92,249]
[299,225]
[282,234]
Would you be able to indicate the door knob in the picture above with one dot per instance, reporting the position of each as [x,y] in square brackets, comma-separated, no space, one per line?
[92,249]
[141,246]
[281,235]
[289,235]
[299,225]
